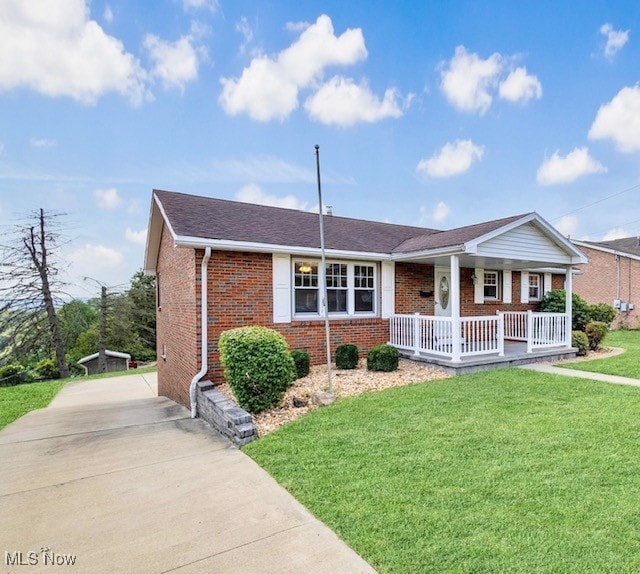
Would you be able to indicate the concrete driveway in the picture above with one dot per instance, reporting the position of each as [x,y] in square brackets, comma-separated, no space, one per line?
[126,481]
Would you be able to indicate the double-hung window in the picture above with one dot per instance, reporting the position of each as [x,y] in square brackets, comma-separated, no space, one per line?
[535,286]
[351,288]
[492,285]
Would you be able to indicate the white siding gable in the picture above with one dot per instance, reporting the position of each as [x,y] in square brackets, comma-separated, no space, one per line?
[525,242]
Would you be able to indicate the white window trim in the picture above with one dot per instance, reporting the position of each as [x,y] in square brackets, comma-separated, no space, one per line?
[498,286]
[540,287]
[351,313]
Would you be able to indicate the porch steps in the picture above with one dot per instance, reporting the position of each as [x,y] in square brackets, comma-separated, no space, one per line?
[488,362]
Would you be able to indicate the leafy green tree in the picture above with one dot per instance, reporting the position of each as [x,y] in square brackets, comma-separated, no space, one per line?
[76,317]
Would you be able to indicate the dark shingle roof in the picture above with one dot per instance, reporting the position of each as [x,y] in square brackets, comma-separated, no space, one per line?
[453,237]
[626,244]
[211,218]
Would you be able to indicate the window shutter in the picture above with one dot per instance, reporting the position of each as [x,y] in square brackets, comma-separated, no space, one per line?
[388,289]
[281,266]
[478,289]
[547,283]
[506,286]
[524,286]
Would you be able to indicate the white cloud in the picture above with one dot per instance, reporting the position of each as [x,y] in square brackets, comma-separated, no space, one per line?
[211,5]
[342,102]
[42,143]
[108,14]
[268,88]
[452,159]
[567,225]
[245,29]
[174,63]
[297,26]
[439,213]
[520,86]
[467,80]
[252,193]
[619,120]
[59,51]
[91,258]
[616,233]
[616,39]
[107,198]
[575,164]
[139,237]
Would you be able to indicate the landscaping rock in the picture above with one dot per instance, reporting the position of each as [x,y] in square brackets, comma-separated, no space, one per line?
[299,403]
[323,399]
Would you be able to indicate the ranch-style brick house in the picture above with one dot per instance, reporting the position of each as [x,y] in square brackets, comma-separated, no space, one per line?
[612,276]
[456,298]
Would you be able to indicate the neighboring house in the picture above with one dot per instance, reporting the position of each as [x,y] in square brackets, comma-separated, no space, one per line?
[262,267]
[115,362]
[612,276]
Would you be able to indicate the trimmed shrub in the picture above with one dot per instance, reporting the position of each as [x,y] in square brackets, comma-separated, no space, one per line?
[595,331]
[47,369]
[602,312]
[383,358]
[347,356]
[554,302]
[257,365]
[301,363]
[580,340]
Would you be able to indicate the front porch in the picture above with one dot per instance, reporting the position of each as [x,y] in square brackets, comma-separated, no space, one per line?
[466,344]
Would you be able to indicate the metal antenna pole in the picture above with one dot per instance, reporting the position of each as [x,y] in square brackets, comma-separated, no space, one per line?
[324,270]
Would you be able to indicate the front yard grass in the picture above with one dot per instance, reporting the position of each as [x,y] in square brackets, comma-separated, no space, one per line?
[501,471]
[19,400]
[625,365]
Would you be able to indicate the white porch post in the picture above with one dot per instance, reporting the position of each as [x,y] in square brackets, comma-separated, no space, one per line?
[455,308]
[568,288]
[529,331]
[500,334]
[417,335]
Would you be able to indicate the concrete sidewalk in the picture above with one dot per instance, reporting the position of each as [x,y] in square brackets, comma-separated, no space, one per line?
[128,482]
[549,368]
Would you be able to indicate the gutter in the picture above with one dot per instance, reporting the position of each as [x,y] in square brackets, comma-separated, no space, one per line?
[203,338]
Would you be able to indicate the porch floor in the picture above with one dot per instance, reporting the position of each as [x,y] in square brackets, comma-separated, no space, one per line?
[515,353]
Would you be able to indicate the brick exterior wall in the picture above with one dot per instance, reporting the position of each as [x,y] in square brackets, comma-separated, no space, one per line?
[598,282]
[240,293]
[178,320]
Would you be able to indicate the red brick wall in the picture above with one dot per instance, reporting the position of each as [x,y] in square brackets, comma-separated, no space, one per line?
[241,293]
[411,278]
[598,282]
[178,320]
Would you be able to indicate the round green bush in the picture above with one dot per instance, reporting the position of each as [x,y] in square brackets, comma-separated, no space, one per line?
[383,358]
[13,373]
[595,331]
[257,365]
[554,302]
[301,363]
[581,341]
[47,369]
[347,356]
[602,312]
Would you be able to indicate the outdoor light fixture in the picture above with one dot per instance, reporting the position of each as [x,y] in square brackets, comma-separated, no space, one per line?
[305,268]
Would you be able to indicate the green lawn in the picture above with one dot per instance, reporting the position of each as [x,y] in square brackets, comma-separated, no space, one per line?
[19,400]
[625,365]
[502,471]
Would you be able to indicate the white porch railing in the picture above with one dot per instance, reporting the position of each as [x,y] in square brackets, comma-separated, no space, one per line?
[539,330]
[472,336]
[436,335]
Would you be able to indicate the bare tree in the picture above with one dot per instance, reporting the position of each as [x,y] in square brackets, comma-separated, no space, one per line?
[30,289]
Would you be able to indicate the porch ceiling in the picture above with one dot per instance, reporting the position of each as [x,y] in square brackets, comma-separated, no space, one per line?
[498,263]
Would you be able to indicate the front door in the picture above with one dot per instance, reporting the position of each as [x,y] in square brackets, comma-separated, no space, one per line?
[442,293]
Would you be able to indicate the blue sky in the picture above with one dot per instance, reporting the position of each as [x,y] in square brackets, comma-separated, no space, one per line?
[438,114]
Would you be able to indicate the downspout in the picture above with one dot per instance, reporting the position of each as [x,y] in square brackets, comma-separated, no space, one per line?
[203,336]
